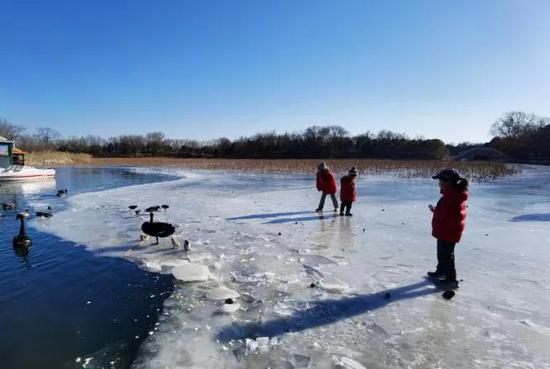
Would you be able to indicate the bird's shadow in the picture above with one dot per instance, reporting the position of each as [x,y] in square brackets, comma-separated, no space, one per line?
[324,312]
[532,218]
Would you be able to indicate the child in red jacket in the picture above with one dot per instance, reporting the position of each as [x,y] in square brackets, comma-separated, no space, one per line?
[448,222]
[347,192]
[326,182]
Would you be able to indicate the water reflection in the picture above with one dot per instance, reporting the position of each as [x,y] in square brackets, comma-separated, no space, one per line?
[29,188]
[23,253]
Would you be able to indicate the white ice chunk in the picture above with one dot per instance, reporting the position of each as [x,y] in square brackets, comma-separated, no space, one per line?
[251,345]
[230,308]
[344,362]
[196,257]
[332,284]
[222,293]
[262,341]
[191,272]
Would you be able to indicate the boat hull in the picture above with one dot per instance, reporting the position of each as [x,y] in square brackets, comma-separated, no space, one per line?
[26,175]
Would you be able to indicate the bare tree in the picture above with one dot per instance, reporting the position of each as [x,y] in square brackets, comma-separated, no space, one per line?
[155,142]
[513,124]
[46,137]
[10,131]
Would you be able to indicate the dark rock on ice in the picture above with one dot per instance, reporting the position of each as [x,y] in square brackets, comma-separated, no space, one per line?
[447,295]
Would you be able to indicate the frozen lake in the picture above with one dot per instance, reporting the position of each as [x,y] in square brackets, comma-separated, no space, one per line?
[258,236]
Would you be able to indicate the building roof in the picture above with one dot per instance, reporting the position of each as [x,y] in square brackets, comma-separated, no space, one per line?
[5,140]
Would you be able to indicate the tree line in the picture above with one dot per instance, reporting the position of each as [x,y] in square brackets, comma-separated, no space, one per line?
[313,142]
[519,135]
[522,136]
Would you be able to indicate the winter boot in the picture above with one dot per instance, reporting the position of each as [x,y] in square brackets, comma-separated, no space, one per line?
[449,283]
[436,274]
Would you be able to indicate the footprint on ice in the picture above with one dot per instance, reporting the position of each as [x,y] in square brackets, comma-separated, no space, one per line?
[191,272]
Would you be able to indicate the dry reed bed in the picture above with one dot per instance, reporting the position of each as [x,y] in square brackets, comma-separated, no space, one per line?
[478,171]
[56,158]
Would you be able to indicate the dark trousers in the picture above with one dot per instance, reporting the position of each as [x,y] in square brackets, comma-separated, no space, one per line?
[446,259]
[322,201]
[346,206]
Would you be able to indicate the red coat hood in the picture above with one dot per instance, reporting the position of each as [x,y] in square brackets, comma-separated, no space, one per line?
[455,194]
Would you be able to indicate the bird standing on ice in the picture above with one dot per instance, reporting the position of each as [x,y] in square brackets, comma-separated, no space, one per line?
[158,229]
[175,243]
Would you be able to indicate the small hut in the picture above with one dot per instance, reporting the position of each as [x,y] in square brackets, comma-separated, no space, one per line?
[6,152]
[18,156]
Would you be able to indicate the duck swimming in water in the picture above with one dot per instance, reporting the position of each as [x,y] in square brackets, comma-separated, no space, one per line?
[158,229]
[63,192]
[8,206]
[22,240]
[44,214]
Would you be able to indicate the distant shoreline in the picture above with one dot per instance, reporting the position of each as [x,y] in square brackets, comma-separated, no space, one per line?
[402,168]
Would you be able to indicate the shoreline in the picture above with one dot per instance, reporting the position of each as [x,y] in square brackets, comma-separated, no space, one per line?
[401,168]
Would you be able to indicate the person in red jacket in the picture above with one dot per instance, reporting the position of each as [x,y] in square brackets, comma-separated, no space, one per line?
[326,182]
[347,192]
[448,222]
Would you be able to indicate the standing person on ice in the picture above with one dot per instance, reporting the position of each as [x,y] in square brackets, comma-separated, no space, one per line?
[448,222]
[347,192]
[326,182]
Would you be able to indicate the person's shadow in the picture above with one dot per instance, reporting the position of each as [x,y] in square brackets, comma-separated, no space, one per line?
[288,217]
[323,312]
[544,217]
[270,215]
[318,216]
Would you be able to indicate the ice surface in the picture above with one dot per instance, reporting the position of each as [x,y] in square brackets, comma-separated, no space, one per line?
[188,272]
[222,293]
[259,236]
[333,284]
[230,308]
[347,363]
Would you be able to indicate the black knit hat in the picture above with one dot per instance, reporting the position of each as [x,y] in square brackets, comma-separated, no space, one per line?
[352,171]
[449,174]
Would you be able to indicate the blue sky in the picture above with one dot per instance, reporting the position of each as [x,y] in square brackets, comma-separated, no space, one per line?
[204,69]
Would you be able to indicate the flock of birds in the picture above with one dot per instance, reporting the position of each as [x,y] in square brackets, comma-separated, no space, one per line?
[22,240]
[149,228]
